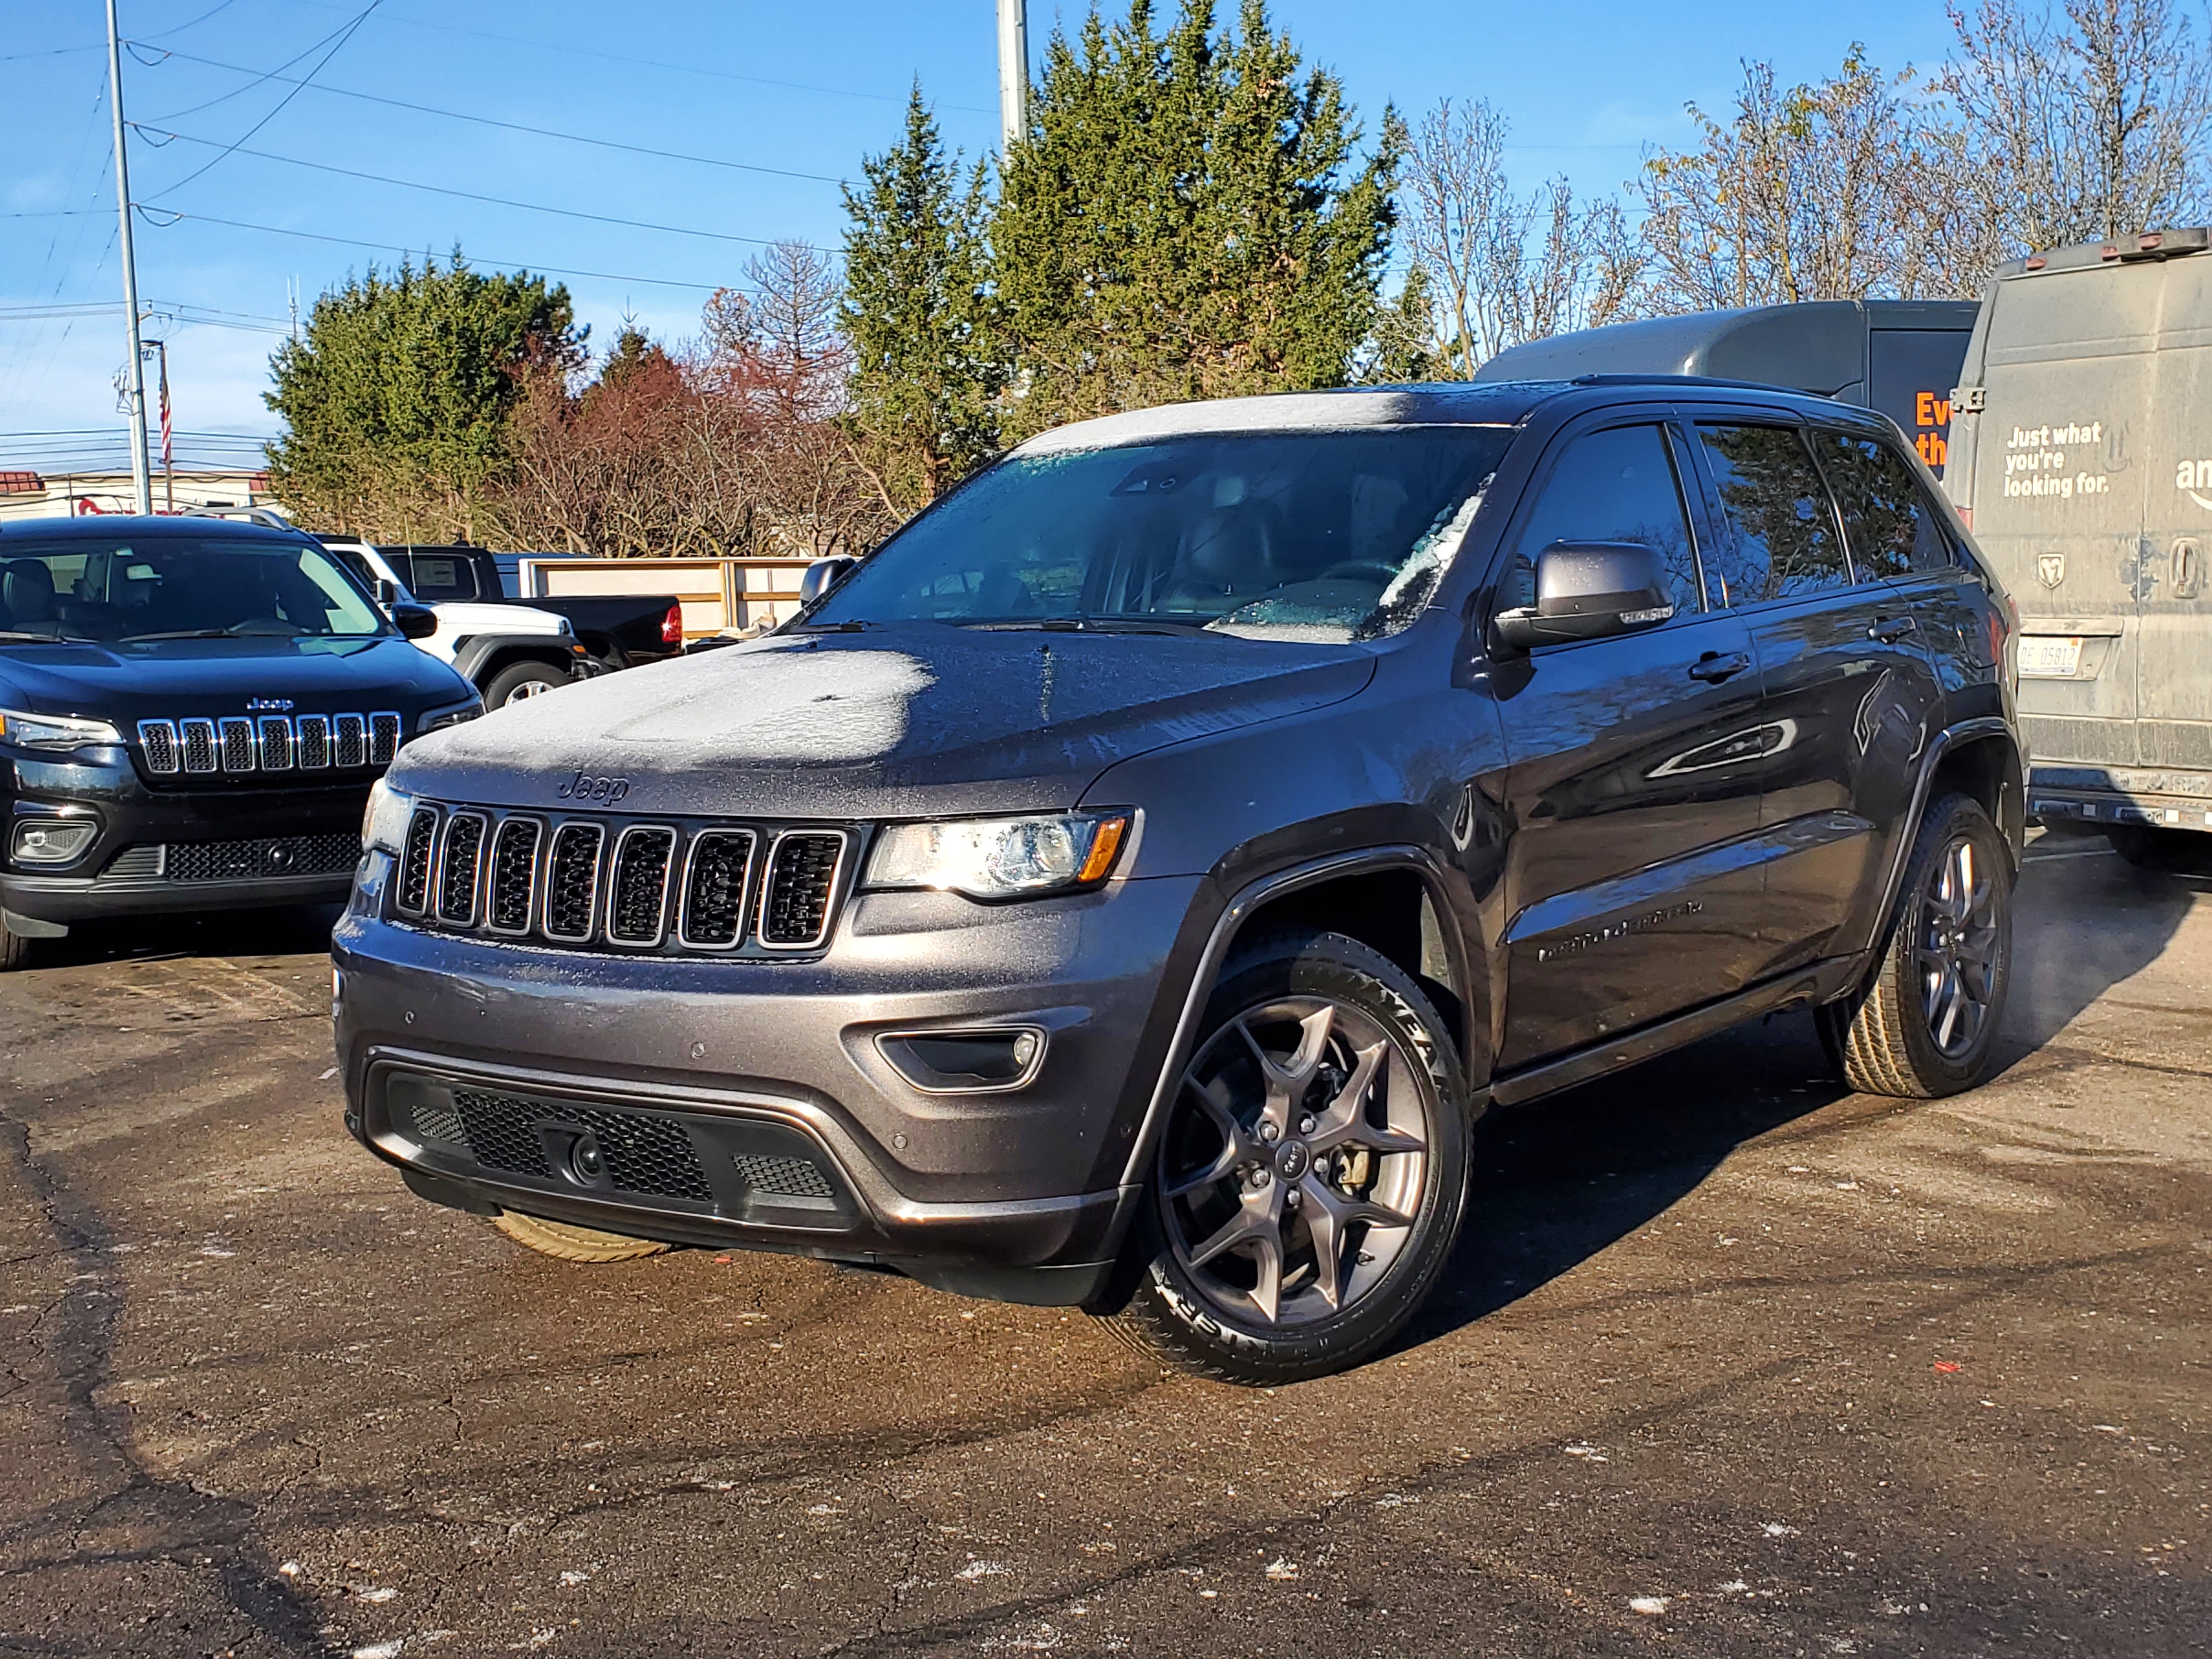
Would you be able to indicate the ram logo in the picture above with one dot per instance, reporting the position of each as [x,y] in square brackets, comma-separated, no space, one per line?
[2051,569]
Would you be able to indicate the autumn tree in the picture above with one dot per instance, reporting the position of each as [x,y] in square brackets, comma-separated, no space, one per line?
[2079,129]
[395,399]
[1824,190]
[1498,266]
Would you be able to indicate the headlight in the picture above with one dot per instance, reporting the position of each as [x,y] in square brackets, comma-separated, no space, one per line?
[384,826]
[452,715]
[1000,858]
[55,732]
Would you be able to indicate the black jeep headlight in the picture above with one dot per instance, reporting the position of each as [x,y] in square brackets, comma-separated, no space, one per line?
[56,732]
[452,715]
[1000,858]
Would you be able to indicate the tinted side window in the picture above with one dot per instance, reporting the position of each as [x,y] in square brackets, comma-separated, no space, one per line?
[436,577]
[1892,528]
[1618,485]
[1785,544]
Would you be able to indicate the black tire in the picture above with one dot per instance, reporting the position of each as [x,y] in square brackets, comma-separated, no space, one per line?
[519,680]
[1374,1144]
[1927,1024]
[2175,852]
[15,951]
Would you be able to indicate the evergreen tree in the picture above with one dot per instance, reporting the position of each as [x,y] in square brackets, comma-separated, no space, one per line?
[395,399]
[916,314]
[1187,218]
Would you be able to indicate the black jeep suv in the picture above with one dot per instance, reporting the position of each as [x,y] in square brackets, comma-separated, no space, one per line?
[1124,888]
[191,713]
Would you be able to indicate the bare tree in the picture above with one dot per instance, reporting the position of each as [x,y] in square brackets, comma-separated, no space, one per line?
[2075,132]
[1818,191]
[1499,267]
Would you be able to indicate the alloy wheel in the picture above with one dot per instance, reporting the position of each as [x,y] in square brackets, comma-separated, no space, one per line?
[1295,1161]
[1958,948]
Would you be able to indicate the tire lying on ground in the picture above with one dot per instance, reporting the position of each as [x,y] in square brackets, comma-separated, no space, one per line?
[566,1243]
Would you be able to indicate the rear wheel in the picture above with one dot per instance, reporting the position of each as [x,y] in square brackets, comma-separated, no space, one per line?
[1927,1024]
[566,1243]
[520,680]
[1312,1174]
[2181,852]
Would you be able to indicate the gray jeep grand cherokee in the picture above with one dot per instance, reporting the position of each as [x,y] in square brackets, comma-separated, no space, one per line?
[1124,888]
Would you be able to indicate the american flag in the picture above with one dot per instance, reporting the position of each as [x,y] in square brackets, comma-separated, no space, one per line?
[167,453]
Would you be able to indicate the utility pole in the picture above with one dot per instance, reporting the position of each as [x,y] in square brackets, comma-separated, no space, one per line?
[136,392]
[1014,72]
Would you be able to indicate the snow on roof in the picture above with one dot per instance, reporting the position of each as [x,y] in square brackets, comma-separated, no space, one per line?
[1350,409]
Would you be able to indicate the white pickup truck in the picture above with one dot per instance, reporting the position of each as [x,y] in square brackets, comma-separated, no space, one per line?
[508,651]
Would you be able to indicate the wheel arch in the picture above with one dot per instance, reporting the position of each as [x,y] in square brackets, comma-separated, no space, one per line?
[1394,899]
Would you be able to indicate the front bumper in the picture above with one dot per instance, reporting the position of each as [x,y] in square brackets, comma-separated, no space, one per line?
[228,847]
[693,1066]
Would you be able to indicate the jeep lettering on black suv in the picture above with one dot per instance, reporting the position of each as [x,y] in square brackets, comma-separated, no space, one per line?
[1125,888]
[191,713]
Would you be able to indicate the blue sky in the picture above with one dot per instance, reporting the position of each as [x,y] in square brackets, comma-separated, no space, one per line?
[802,88]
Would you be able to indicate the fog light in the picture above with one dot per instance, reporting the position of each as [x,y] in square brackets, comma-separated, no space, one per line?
[52,840]
[965,1062]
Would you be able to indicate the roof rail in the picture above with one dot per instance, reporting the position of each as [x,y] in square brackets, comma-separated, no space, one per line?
[269,516]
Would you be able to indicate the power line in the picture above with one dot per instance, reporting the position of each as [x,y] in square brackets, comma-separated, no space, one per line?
[516,126]
[338,46]
[150,132]
[663,63]
[393,247]
[175,215]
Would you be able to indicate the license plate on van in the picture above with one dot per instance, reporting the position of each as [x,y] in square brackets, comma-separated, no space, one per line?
[2049,657]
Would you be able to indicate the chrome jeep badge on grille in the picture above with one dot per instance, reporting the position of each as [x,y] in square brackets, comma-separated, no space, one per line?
[269,705]
[585,787]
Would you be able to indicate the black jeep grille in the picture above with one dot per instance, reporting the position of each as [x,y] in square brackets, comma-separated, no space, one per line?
[590,881]
[236,746]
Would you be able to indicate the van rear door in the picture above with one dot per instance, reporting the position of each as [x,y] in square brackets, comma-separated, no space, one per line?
[2061,470]
[2174,671]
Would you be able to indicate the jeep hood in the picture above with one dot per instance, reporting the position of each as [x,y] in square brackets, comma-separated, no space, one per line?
[901,720]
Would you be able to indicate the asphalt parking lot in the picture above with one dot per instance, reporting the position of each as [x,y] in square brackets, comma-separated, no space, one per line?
[1730,1362]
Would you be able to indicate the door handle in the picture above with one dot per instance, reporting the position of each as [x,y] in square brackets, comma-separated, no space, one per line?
[1890,629]
[1715,666]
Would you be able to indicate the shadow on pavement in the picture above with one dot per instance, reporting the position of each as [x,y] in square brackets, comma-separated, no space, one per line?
[285,931]
[2086,919]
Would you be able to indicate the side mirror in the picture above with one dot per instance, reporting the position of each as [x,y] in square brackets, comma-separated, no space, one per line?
[386,591]
[1588,591]
[415,621]
[823,576]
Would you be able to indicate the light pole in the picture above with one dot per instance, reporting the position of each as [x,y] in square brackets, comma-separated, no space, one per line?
[143,484]
[1014,72]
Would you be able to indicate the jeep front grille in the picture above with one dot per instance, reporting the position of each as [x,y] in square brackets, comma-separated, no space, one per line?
[236,746]
[597,883]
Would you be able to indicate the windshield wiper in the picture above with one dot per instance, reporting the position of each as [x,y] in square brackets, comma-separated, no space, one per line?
[17,637]
[181,633]
[1090,625]
[832,626]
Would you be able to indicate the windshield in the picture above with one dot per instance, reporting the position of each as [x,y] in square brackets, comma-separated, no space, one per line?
[1328,537]
[179,586]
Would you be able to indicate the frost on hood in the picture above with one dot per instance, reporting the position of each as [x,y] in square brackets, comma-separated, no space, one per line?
[777,701]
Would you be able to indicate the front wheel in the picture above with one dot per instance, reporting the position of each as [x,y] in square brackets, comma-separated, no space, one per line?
[522,680]
[1311,1172]
[1928,1024]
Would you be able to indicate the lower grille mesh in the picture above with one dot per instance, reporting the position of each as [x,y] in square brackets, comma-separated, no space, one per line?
[642,1153]
[781,1177]
[269,855]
